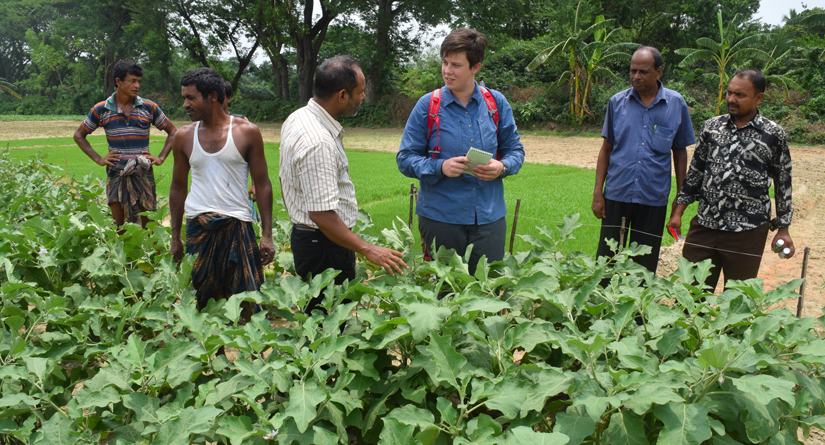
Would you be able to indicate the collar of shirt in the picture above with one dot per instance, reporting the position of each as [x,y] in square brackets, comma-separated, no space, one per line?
[112,105]
[447,96]
[660,95]
[331,124]
[756,122]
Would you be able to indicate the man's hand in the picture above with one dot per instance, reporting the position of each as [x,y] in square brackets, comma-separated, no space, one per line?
[387,258]
[490,171]
[252,192]
[176,249]
[109,159]
[674,223]
[598,206]
[267,250]
[454,167]
[152,158]
[782,234]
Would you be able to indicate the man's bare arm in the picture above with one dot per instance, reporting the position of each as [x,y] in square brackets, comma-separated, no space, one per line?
[602,164]
[80,139]
[263,189]
[167,146]
[334,228]
[177,193]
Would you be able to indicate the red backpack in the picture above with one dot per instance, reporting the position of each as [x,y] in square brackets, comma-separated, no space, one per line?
[433,118]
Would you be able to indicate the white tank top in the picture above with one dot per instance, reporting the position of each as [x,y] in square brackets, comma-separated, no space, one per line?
[218,180]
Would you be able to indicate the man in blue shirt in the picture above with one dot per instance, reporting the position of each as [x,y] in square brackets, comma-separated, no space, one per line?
[455,208]
[644,126]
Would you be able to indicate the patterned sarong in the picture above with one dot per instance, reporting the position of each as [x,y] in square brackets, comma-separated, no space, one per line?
[132,191]
[229,261]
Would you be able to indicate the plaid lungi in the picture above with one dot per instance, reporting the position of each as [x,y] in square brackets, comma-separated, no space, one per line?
[132,192]
[229,261]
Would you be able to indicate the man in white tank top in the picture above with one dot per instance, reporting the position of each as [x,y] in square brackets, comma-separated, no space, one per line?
[221,152]
[314,171]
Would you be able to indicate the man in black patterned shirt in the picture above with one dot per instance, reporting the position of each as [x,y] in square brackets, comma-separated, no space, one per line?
[736,159]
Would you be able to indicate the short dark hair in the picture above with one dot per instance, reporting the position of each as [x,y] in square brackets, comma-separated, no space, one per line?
[657,55]
[465,40]
[124,67]
[336,74]
[755,76]
[206,81]
[228,90]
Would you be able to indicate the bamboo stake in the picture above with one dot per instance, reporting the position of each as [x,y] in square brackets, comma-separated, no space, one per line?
[412,204]
[515,222]
[802,288]
[621,234]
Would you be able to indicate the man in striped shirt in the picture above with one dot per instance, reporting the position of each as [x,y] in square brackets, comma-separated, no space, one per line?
[126,118]
[314,171]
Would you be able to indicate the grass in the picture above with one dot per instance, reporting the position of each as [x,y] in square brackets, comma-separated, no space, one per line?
[547,192]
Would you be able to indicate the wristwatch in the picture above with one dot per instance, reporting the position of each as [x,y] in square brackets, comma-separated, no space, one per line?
[504,171]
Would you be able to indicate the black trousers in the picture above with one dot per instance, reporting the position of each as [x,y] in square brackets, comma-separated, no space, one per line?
[644,225]
[737,254]
[487,239]
[314,253]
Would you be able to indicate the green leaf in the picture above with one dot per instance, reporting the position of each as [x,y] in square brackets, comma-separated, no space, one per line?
[57,431]
[648,395]
[507,395]
[38,366]
[128,434]
[670,341]
[100,398]
[323,437]
[136,351]
[448,413]
[424,318]
[413,415]
[590,345]
[716,356]
[190,421]
[684,423]
[574,426]
[237,429]
[626,428]
[449,363]
[522,435]
[145,407]
[304,397]
[396,433]
[549,384]
[765,388]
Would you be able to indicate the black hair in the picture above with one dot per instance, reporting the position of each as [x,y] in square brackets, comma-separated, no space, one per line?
[334,75]
[657,55]
[756,77]
[227,86]
[124,67]
[206,81]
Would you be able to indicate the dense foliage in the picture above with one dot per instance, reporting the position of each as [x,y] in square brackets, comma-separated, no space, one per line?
[100,339]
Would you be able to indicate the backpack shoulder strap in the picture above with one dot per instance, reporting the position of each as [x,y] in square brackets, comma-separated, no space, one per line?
[492,108]
[434,120]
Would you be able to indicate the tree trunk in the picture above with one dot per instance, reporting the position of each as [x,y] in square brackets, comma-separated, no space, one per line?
[283,74]
[377,70]
[108,66]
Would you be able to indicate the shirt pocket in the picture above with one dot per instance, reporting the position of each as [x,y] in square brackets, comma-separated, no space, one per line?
[488,134]
[144,125]
[662,139]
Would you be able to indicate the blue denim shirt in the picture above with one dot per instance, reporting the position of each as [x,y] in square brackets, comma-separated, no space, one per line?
[643,139]
[465,199]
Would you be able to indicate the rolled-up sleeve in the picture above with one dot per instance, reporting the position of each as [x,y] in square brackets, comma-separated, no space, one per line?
[414,158]
[316,171]
[509,142]
[692,187]
[780,171]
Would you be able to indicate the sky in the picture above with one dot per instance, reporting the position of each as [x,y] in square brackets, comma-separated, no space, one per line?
[772,11]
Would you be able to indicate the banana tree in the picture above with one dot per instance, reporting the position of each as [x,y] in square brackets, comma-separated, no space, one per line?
[779,45]
[814,22]
[7,87]
[587,51]
[728,51]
